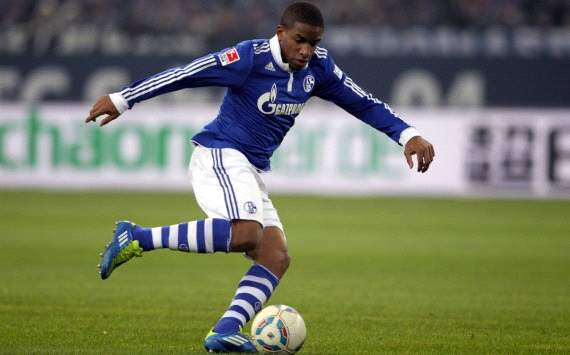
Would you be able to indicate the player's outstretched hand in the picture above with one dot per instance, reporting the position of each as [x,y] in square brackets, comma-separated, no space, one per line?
[423,150]
[103,106]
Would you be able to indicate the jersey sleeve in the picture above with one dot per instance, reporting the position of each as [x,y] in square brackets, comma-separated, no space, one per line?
[229,67]
[335,86]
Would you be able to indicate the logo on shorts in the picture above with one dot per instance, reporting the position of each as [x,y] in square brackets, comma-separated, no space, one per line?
[250,207]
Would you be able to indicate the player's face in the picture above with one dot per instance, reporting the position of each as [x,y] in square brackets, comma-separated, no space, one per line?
[298,43]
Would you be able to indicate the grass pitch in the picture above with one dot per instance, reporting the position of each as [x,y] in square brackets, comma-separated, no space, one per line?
[370,276]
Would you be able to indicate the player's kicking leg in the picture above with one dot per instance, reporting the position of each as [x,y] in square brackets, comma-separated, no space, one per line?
[121,249]
[129,240]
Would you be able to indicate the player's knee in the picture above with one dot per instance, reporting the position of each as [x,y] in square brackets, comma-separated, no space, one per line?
[276,260]
[285,261]
[281,262]
[245,235]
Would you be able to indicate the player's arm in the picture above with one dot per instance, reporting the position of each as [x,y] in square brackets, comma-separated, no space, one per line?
[337,87]
[228,68]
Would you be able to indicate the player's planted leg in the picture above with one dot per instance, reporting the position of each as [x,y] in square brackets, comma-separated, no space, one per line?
[253,291]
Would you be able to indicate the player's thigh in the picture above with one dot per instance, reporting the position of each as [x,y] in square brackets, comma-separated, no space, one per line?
[225,185]
[270,213]
[273,244]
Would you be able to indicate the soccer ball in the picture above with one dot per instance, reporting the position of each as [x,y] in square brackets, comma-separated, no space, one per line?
[278,329]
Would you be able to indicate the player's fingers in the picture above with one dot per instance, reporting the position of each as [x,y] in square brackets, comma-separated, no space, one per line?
[429,155]
[108,119]
[426,166]
[95,112]
[421,161]
[96,108]
[92,116]
[428,159]
[409,159]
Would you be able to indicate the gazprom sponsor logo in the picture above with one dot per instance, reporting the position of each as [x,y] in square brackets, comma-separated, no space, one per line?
[267,103]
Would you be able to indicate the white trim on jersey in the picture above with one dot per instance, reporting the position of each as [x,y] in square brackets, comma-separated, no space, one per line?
[168,78]
[321,53]
[163,76]
[359,91]
[259,48]
[127,92]
[119,102]
[408,134]
[276,53]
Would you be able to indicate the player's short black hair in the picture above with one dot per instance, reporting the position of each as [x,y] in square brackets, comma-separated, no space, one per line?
[303,12]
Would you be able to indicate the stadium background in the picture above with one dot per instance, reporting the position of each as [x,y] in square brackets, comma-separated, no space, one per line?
[487,81]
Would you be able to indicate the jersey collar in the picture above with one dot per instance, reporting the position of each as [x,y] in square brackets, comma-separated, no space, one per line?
[276,53]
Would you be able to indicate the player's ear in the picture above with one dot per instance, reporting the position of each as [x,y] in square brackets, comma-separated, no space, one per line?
[280,31]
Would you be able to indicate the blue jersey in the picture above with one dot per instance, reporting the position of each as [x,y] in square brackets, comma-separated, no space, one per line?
[264,96]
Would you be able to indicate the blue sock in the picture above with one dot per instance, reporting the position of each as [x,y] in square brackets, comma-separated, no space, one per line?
[204,236]
[253,291]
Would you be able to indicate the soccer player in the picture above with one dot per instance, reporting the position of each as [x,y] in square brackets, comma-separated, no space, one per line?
[268,83]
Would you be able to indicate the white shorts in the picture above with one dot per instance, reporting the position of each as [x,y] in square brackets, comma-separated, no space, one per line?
[227,186]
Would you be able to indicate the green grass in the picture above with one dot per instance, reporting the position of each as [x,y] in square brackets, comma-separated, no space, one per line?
[370,276]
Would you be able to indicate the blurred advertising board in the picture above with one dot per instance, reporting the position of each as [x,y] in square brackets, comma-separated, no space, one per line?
[495,152]
[409,81]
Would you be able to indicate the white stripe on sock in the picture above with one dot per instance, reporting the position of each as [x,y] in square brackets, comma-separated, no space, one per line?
[173,237]
[259,280]
[236,315]
[192,245]
[245,305]
[257,293]
[157,237]
[209,235]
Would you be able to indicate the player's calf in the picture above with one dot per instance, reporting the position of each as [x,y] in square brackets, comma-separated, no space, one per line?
[272,251]
[246,235]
